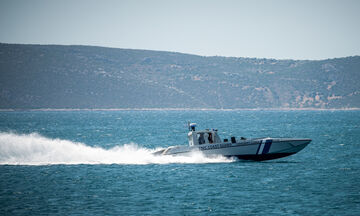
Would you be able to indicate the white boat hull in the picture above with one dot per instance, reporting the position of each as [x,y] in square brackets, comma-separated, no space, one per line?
[254,149]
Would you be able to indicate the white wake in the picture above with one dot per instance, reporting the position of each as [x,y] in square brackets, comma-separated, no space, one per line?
[34,149]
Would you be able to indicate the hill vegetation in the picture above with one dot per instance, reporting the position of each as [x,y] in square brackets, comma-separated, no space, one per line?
[52,76]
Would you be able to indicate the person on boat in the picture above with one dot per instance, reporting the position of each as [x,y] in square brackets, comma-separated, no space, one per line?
[210,138]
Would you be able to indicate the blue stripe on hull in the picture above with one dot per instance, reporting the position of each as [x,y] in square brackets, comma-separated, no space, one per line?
[267,146]
[257,151]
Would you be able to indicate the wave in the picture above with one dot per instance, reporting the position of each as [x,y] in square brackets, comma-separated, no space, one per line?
[34,149]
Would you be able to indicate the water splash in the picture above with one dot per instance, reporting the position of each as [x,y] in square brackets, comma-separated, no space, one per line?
[34,149]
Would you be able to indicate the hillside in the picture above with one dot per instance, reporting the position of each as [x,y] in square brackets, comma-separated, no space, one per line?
[52,76]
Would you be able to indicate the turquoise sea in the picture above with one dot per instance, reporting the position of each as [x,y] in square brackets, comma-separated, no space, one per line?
[100,163]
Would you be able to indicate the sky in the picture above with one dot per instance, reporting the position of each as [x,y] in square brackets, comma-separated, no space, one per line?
[280,29]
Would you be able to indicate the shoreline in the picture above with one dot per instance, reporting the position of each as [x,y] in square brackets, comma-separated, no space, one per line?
[177,109]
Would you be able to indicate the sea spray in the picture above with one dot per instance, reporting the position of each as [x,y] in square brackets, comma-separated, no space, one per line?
[35,149]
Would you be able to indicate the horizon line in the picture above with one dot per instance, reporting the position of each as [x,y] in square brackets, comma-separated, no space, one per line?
[179,109]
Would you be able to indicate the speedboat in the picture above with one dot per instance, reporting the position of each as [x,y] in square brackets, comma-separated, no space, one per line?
[257,149]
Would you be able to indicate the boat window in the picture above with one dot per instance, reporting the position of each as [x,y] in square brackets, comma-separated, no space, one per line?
[200,137]
[216,138]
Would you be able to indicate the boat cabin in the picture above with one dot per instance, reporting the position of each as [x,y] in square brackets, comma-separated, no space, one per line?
[202,137]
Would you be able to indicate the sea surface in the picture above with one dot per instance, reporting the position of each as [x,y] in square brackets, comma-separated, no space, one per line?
[100,163]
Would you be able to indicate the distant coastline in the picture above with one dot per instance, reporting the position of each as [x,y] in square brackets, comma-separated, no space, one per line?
[180,109]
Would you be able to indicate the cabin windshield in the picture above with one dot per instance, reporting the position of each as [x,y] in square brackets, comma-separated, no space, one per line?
[207,137]
[203,137]
[217,138]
